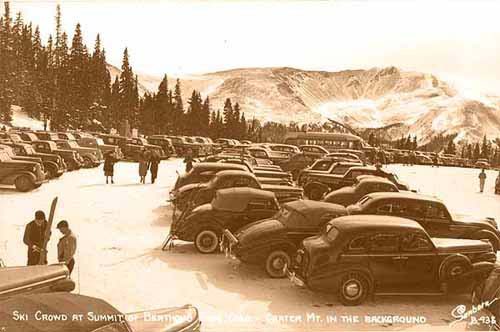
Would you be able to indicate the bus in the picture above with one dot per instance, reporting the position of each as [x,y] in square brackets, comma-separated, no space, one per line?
[330,141]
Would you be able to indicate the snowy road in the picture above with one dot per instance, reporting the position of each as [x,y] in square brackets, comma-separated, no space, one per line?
[120,228]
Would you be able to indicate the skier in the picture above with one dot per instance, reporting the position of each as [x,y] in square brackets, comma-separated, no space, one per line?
[34,237]
[189,160]
[482,180]
[153,166]
[66,247]
[109,166]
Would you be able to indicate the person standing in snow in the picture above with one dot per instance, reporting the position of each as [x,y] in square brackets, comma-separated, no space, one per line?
[153,166]
[109,166]
[143,167]
[66,247]
[482,180]
[34,237]
[188,160]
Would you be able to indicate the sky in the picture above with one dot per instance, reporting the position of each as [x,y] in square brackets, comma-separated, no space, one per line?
[455,40]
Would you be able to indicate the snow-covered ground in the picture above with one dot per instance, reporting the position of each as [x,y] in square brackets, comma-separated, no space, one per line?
[121,227]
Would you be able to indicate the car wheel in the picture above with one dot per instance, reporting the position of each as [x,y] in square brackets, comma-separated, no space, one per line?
[24,183]
[87,162]
[206,241]
[52,171]
[353,288]
[453,269]
[276,262]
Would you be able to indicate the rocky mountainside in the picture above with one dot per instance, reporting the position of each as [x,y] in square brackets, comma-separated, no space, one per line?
[408,102]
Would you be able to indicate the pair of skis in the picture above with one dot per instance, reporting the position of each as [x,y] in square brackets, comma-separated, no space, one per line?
[48,232]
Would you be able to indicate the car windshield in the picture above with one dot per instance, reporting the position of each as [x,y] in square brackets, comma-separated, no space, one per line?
[29,150]
[331,232]
[322,165]
[340,169]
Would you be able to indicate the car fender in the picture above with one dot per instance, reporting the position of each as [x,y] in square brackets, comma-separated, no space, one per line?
[10,179]
[451,260]
[48,164]
[486,234]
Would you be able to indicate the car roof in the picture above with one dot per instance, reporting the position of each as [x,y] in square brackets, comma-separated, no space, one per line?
[234,172]
[217,165]
[373,178]
[236,199]
[374,222]
[404,195]
[312,209]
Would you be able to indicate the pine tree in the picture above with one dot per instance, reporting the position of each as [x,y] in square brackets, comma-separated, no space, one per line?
[178,108]
[228,118]
[129,97]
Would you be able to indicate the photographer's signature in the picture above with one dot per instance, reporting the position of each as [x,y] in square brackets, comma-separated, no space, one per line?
[460,313]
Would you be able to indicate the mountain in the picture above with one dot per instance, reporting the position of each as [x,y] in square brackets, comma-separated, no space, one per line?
[406,102]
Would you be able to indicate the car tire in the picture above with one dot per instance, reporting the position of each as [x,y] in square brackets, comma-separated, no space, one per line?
[354,288]
[453,268]
[275,263]
[206,241]
[24,183]
[87,162]
[52,171]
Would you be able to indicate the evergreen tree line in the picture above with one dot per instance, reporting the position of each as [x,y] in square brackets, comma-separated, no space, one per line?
[65,83]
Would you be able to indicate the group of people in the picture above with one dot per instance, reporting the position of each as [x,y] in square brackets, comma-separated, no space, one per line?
[482,181]
[148,161]
[36,235]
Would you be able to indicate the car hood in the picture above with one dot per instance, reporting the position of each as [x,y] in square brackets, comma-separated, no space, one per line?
[12,278]
[271,174]
[273,181]
[448,245]
[175,319]
[280,188]
[259,230]
[473,220]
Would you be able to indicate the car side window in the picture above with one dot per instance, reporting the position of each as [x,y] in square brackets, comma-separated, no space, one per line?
[415,242]
[384,243]
[384,209]
[435,211]
[259,204]
[357,244]
[241,182]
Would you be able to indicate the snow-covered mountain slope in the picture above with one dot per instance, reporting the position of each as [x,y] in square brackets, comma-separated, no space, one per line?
[22,120]
[424,105]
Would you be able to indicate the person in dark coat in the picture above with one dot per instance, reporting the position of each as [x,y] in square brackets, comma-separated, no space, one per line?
[482,180]
[153,166]
[188,160]
[143,167]
[34,237]
[109,166]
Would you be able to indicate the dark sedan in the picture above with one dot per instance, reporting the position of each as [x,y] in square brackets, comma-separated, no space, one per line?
[361,255]
[431,213]
[363,185]
[230,209]
[272,242]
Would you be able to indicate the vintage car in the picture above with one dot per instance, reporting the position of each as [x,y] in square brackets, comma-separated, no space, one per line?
[364,184]
[196,194]
[314,151]
[357,256]
[202,172]
[97,316]
[290,150]
[225,142]
[46,135]
[91,157]
[183,145]
[28,136]
[482,163]
[130,151]
[318,184]
[10,151]
[66,136]
[274,156]
[164,142]
[230,209]
[261,172]
[344,156]
[24,175]
[332,166]
[431,213]
[272,242]
[71,158]
[53,164]
[10,136]
[98,143]
[149,147]
[34,280]
[296,163]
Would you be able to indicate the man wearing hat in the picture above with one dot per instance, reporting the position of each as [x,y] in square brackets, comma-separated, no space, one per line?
[34,236]
[66,247]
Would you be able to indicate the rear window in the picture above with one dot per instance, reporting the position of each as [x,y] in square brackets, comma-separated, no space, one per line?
[322,165]
[340,169]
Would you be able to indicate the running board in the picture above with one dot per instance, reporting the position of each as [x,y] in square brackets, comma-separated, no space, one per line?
[409,294]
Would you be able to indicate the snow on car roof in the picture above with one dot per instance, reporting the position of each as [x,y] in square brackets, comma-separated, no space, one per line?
[236,199]
[404,195]
[217,165]
[375,222]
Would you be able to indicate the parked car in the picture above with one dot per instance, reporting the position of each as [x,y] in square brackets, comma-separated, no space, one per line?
[28,136]
[130,151]
[10,151]
[320,184]
[264,153]
[149,147]
[53,164]
[272,242]
[314,151]
[66,136]
[239,158]
[285,148]
[357,256]
[296,163]
[263,172]
[325,166]
[98,143]
[91,157]
[98,315]
[344,156]
[230,209]
[34,280]
[362,186]
[24,175]
[46,135]
[432,213]
[71,158]
[482,163]
[164,142]
[196,194]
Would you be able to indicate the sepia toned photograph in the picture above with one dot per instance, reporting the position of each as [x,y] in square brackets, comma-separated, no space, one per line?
[249,165]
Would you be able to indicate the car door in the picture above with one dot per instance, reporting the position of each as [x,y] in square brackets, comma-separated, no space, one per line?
[438,222]
[418,261]
[384,257]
